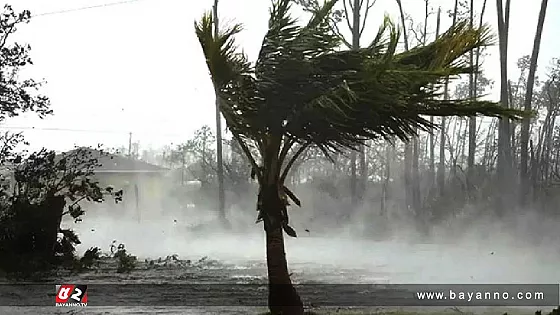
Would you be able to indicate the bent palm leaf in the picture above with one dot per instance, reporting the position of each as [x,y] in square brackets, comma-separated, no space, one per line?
[304,89]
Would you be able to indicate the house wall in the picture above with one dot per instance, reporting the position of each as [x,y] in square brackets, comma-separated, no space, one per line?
[143,194]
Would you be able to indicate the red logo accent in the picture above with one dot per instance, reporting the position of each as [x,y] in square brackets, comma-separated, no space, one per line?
[84,298]
[63,292]
[70,293]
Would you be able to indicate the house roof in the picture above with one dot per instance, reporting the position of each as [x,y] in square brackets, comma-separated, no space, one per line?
[111,163]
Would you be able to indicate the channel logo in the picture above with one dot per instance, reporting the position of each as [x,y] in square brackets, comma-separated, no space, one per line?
[71,295]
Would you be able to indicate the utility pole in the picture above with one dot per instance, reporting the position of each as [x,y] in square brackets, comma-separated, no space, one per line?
[221,192]
[129,145]
[137,199]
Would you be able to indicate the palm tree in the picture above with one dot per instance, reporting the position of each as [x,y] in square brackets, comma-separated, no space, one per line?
[304,91]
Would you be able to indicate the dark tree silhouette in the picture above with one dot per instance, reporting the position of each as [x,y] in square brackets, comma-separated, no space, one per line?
[36,190]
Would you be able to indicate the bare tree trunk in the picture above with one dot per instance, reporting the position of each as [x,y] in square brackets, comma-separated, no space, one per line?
[408,152]
[474,94]
[416,202]
[416,197]
[441,166]
[353,178]
[363,173]
[387,181]
[547,154]
[504,145]
[525,127]
[355,46]
[219,153]
[432,157]
[183,164]
[472,120]
[432,136]
[460,148]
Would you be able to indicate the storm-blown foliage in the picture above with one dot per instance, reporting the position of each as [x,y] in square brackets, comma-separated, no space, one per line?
[303,89]
[45,188]
[17,96]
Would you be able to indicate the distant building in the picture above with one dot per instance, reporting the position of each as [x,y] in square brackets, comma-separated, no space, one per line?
[143,183]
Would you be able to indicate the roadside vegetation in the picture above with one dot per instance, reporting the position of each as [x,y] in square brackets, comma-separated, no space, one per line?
[38,189]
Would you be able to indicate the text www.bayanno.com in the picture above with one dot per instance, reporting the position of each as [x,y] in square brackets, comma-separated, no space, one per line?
[477,296]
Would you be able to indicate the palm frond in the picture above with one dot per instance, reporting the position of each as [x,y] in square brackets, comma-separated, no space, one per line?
[232,75]
[222,58]
[287,59]
[376,92]
[304,88]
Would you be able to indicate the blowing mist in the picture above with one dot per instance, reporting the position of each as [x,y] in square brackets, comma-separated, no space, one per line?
[377,240]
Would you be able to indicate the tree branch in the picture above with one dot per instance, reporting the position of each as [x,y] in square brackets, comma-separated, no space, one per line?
[247,152]
[403,21]
[5,37]
[417,34]
[336,30]
[477,60]
[11,29]
[293,160]
[368,7]
[351,5]
[288,143]
[346,16]
[73,204]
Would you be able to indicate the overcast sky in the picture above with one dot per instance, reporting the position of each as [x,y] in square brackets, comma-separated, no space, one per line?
[137,67]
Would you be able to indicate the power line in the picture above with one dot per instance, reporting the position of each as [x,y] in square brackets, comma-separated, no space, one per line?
[86,8]
[61,129]
[87,131]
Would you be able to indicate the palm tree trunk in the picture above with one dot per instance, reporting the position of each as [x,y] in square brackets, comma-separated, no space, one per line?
[282,296]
